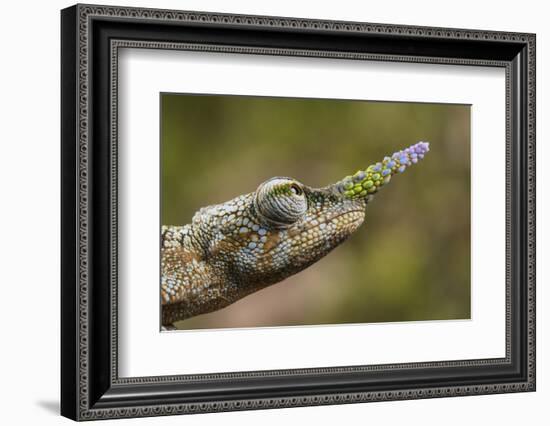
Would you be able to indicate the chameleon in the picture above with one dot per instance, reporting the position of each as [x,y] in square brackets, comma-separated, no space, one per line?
[236,248]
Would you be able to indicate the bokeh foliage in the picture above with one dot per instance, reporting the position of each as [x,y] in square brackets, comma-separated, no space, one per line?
[410,261]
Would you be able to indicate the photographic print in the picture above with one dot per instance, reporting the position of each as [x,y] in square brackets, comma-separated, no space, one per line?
[292,211]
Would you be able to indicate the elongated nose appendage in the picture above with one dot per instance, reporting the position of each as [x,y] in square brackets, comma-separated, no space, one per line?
[367,182]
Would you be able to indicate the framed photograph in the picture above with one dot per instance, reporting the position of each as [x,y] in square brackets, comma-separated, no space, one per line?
[263,212]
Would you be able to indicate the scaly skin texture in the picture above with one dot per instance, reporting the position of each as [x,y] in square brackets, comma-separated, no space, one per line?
[233,249]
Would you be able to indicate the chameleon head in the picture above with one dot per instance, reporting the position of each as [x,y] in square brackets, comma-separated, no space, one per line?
[285,226]
[302,223]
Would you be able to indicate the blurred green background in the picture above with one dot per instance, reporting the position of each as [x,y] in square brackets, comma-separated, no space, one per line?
[410,260]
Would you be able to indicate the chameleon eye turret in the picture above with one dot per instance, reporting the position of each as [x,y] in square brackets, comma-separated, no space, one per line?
[280,201]
[231,250]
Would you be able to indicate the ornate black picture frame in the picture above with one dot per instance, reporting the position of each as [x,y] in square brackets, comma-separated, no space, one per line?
[91,387]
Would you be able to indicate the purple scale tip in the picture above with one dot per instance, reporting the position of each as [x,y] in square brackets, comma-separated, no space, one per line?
[410,155]
[417,150]
[421,147]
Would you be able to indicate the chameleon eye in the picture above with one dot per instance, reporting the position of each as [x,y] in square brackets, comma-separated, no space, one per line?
[280,201]
[296,190]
